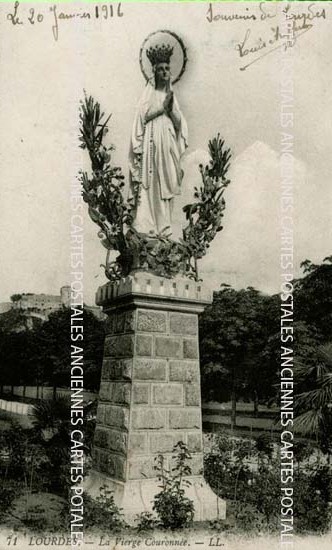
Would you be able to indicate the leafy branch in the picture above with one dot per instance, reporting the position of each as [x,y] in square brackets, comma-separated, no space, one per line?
[103,192]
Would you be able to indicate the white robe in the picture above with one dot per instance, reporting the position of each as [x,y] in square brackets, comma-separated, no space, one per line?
[154,162]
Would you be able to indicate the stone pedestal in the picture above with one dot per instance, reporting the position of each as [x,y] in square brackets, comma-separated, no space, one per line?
[149,395]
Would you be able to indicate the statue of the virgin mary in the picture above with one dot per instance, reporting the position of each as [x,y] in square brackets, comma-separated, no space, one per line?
[159,138]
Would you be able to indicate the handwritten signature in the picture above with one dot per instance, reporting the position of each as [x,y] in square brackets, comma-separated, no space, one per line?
[32,17]
[279,37]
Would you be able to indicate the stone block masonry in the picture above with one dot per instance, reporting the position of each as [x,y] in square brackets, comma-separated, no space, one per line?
[149,395]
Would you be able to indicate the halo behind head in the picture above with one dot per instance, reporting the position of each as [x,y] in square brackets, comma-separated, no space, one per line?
[163,47]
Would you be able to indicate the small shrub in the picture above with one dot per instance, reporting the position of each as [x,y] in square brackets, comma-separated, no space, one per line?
[311,501]
[173,508]
[263,494]
[247,474]
[247,517]
[102,512]
[146,522]
[220,525]
[7,494]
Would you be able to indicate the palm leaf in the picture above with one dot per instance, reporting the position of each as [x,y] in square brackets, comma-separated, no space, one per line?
[309,422]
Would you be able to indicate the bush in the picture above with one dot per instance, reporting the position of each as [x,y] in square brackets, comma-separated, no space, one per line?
[311,501]
[173,508]
[102,512]
[245,473]
[247,517]
[7,494]
[146,522]
[226,468]
[23,459]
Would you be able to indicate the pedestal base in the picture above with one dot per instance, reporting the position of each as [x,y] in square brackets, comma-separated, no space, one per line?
[136,496]
[149,398]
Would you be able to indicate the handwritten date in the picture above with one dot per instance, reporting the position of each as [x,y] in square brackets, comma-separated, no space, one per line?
[32,17]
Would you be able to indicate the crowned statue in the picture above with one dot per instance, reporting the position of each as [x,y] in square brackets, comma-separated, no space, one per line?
[155,287]
[139,226]
[159,139]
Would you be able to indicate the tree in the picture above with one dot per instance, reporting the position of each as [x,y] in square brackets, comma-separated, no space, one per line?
[17,366]
[52,424]
[15,297]
[233,333]
[14,320]
[53,347]
[313,351]
[313,402]
[94,335]
[42,355]
[313,296]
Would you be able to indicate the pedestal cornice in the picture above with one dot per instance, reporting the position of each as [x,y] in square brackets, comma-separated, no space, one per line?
[146,290]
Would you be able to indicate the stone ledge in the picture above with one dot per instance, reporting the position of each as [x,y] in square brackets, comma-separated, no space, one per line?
[141,286]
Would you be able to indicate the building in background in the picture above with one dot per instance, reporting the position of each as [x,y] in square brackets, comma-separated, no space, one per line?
[40,306]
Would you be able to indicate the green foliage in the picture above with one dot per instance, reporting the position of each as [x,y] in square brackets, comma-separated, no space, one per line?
[103,192]
[251,492]
[314,397]
[314,297]
[52,415]
[52,348]
[8,492]
[146,522]
[22,458]
[42,355]
[240,347]
[226,466]
[53,427]
[234,332]
[220,525]
[247,474]
[312,494]
[102,512]
[247,517]
[173,508]
[206,213]
[16,350]
[15,297]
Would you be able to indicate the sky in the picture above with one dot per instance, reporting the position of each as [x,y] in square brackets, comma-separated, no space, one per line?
[42,82]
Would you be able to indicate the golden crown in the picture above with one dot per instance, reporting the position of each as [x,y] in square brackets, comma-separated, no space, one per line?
[159,54]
